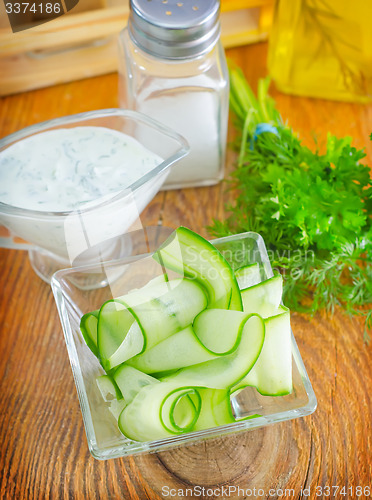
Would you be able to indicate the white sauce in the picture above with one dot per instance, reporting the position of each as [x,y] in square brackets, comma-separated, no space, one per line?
[59,170]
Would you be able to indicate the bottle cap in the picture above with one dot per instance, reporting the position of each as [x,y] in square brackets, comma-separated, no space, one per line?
[174,29]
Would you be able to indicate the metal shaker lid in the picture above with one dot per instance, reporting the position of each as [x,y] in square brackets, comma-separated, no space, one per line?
[173,29]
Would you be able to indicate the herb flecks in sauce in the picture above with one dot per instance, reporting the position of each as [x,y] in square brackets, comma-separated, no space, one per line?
[59,170]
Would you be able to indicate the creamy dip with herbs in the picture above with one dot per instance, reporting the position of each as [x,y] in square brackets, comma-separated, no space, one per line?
[59,170]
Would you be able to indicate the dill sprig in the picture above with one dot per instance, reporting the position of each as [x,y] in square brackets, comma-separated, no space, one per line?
[313,210]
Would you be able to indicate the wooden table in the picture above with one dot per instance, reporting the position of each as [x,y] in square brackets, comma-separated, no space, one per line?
[43,450]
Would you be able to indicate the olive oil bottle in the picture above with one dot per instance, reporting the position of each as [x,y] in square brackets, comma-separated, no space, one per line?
[323,48]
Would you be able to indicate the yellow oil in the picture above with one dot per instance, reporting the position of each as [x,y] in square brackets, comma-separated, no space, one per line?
[323,48]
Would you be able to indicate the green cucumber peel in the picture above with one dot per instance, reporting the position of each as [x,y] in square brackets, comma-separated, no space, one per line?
[115,321]
[263,298]
[215,409]
[111,394]
[276,353]
[88,328]
[181,349]
[133,343]
[248,276]
[137,321]
[106,344]
[175,409]
[210,328]
[204,341]
[166,410]
[226,371]
[191,255]
[151,415]
[108,388]
[131,381]
[178,302]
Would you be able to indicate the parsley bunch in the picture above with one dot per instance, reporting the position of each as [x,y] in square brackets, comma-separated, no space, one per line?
[313,210]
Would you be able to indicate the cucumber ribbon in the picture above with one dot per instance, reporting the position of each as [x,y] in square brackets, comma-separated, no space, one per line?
[176,351]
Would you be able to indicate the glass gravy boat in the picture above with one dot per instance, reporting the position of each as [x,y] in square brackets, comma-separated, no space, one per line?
[93,232]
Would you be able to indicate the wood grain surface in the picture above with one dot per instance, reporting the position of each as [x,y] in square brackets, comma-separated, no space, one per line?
[43,449]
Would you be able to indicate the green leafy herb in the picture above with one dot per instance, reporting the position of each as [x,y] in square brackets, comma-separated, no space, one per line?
[313,210]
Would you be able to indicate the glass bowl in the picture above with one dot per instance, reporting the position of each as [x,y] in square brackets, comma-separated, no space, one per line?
[104,438]
[93,232]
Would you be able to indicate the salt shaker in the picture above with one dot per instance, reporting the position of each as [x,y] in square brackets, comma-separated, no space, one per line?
[173,68]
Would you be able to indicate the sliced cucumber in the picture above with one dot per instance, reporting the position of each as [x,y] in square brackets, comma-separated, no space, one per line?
[115,407]
[272,372]
[249,275]
[215,409]
[226,371]
[172,307]
[111,395]
[130,381]
[108,388]
[213,334]
[180,410]
[138,321]
[191,255]
[114,323]
[263,298]
[132,344]
[220,330]
[193,335]
[88,328]
[177,351]
[160,411]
